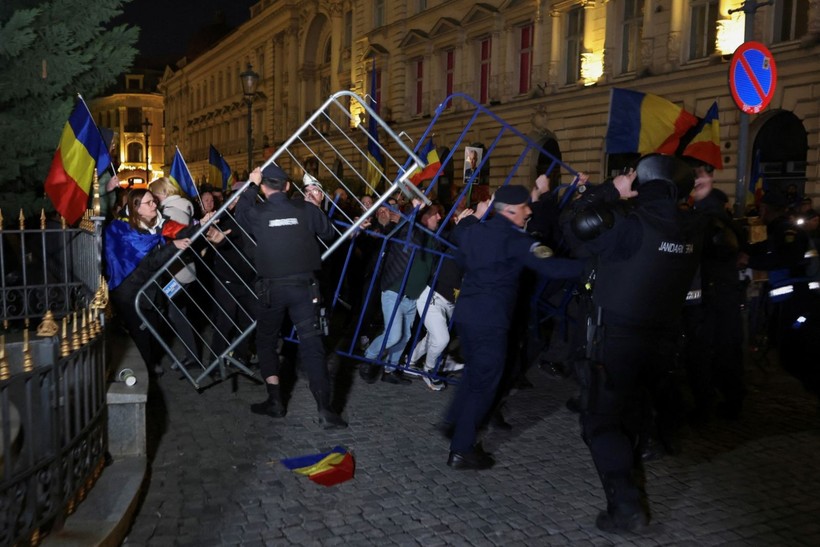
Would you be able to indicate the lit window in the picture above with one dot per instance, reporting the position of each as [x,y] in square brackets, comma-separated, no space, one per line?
[575,44]
[631,35]
[525,59]
[484,71]
[791,20]
[703,29]
[418,91]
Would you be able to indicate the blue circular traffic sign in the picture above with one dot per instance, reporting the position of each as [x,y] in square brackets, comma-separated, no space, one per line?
[752,77]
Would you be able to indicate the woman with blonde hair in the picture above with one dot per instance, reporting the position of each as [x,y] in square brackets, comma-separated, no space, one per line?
[173,205]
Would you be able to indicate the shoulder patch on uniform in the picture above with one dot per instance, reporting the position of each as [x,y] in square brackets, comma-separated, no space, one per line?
[540,251]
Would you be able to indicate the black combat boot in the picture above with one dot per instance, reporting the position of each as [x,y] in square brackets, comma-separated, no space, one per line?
[625,512]
[328,418]
[272,406]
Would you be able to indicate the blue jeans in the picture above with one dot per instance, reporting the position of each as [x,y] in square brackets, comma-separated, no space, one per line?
[400,329]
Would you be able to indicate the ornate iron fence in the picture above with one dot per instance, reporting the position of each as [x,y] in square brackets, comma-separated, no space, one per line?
[53,442]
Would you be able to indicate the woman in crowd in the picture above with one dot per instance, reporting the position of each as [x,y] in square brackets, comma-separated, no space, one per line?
[135,249]
[174,206]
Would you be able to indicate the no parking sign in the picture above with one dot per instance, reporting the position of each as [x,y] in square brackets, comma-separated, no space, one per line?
[752,77]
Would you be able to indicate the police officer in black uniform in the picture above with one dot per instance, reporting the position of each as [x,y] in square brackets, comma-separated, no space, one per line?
[492,255]
[287,259]
[647,254]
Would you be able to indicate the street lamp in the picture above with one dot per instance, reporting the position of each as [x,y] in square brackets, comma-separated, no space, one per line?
[146,131]
[249,79]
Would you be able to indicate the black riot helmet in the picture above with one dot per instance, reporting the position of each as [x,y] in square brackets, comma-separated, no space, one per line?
[673,172]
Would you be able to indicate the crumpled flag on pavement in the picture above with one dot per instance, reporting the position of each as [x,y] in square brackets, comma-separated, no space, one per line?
[326,468]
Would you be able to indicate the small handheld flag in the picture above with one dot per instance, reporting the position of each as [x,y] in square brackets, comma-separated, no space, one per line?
[327,468]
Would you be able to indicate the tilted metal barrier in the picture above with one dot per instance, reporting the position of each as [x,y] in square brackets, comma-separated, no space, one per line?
[193,324]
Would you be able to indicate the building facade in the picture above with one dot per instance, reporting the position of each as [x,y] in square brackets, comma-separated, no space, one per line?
[134,113]
[545,66]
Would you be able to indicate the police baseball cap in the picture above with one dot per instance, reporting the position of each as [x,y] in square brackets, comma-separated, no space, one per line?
[274,173]
[512,194]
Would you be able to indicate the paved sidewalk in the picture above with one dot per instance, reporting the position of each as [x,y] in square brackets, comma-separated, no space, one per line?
[215,479]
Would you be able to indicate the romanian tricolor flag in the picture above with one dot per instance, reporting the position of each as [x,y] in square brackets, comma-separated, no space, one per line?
[181,176]
[430,155]
[645,123]
[219,169]
[375,159]
[81,149]
[326,468]
[705,145]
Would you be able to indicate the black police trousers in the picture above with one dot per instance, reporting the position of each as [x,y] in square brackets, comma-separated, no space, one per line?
[300,299]
[623,386]
[484,349]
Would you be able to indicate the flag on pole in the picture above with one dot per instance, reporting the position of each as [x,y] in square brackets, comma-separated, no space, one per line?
[80,151]
[181,176]
[430,155]
[757,186]
[219,170]
[645,123]
[375,159]
[705,144]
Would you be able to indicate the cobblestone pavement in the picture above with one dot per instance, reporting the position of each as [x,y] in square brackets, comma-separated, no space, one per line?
[215,478]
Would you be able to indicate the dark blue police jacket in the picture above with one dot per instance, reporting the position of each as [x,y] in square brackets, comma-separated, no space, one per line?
[492,255]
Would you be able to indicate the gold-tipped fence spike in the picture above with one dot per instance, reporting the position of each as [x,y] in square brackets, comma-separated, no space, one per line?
[22,219]
[62,222]
[42,219]
[95,203]
[1,219]
[75,335]
[84,336]
[5,373]
[47,327]
[28,362]
[65,345]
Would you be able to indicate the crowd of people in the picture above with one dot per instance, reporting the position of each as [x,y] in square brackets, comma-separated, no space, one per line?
[652,256]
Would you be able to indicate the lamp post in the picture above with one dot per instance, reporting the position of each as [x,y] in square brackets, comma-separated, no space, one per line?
[146,131]
[249,79]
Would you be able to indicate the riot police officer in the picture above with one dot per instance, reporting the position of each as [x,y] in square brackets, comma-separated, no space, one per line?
[646,255]
[287,259]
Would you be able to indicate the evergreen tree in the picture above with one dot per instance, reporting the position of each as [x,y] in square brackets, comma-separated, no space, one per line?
[51,50]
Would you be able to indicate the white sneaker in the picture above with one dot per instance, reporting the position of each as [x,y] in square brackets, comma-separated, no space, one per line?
[435,385]
[451,365]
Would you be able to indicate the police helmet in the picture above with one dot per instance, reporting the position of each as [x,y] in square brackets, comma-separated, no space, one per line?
[670,170]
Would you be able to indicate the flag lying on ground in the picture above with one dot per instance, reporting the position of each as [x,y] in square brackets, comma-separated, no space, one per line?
[375,159]
[704,144]
[81,149]
[645,123]
[326,468]
[219,170]
[181,176]
[430,155]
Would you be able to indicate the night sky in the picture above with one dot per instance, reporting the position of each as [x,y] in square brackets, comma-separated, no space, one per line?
[167,25]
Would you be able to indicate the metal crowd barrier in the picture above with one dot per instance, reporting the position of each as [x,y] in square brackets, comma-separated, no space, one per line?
[331,147]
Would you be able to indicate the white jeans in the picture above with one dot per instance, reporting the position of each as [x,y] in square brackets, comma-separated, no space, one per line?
[437,323]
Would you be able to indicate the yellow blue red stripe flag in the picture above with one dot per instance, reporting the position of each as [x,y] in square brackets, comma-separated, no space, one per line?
[705,144]
[325,468]
[645,123]
[81,149]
